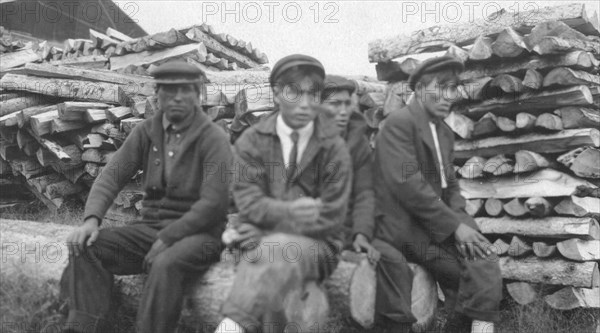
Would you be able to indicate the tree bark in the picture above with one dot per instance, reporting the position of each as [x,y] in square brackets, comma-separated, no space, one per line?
[550,271]
[549,227]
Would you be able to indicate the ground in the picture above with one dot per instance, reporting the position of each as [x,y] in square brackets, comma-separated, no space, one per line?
[27,306]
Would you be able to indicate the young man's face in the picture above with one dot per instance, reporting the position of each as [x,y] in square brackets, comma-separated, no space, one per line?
[297,102]
[437,97]
[340,104]
[178,101]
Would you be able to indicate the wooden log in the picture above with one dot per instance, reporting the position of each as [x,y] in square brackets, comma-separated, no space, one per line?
[254,98]
[539,206]
[509,44]
[485,126]
[506,125]
[528,161]
[500,247]
[98,141]
[549,227]
[97,156]
[21,103]
[577,59]
[16,59]
[196,34]
[71,111]
[522,292]
[457,52]
[151,107]
[529,102]
[579,207]
[115,34]
[24,115]
[95,115]
[41,124]
[541,183]
[584,162]
[101,41]
[493,207]
[473,168]
[516,208]
[60,126]
[93,169]
[220,111]
[550,271]
[127,125]
[27,143]
[578,117]
[109,130]
[363,87]
[482,49]
[533,79]
[72,89]
[548,143]
[195,51]
[570,298]
[564,76]
[525,121]
[499,165]
[429,40]
[94,61]
[507,83]
[518,247]
[473,207]
[579,250]
[557,45]
[548,121]
[479,89]
[544,250]
[117,113]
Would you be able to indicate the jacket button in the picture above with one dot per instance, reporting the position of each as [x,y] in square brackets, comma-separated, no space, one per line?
[157,161]
[154,148]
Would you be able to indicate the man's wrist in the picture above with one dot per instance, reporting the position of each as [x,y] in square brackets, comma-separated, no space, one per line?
[92,220]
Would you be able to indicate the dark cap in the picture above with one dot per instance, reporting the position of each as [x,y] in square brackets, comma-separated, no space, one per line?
[177,72]
[434,65]
[336,83]
[293,60]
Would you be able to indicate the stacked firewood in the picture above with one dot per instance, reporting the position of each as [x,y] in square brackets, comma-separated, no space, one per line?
[527,124]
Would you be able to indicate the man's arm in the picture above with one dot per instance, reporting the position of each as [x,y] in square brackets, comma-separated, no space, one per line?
[363,219]
[115,175]
[396,157]
[214,194]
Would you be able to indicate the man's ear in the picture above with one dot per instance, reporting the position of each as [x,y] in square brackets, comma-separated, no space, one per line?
[276,91]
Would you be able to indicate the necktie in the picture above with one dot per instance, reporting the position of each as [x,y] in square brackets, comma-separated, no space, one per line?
[293,156]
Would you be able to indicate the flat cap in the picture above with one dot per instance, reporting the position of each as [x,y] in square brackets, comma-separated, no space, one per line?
[433,65]
[293,60]
[177,72]
[336,82]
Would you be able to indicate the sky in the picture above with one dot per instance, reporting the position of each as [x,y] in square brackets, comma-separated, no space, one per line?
[335,32]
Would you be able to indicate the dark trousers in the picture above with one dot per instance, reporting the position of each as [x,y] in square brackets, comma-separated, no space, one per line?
[471,287]
[88,278]
[267,276]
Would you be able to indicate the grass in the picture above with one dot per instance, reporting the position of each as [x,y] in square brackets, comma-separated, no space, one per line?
[28,306]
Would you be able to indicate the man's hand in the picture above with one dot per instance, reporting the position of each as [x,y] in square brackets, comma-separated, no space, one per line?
[470,243]
[88,230]
[361,244]
[305,210]
[249,236]
[155,250]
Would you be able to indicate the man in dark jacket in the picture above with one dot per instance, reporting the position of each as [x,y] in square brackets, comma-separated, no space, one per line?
[394,277]
[294,190]
[184,211]
[419,206]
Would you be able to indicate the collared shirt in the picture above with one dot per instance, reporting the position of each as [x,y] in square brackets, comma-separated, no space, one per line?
[439,154]
[173,136]
[284,133]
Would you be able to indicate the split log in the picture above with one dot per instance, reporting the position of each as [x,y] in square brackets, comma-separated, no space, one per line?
[570,298]
[458,52]
[109,130]
[507,83]
[127,125]
[473,207]
[101,41]
[479,89]
[429,40]
[71,111]
[493,207]
[552,28]
[95,115]
[41,182]
[72,89]
[579,207]
[500,247]
[16,59]
[516,208]
[548,121]
[550,271]
[549,227]
[164,40]
[533,79]
[115,114]
[584,162]
[577,59]
[24,115]
[94,61]
[485,126]
[93,169]
[254,98]
[115,34]
[151,107]
[541,183]
[539,206]
[563,76]
[529,102]
[41,124]
[506,125]
[579,250]
[509,44]
[522,292]
[473,168]
[195,51]
[544,250]
[196,34]
[557,45]
[98,141]
[27,143]
[20,103]
[97,156]
[499,165]
[363,87]
[548,143]
[60,126]
[482,48]
[518,247]
[578,117]
[525,121]
[59,152]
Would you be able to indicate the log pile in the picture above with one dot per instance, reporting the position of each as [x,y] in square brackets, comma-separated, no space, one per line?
[527,127]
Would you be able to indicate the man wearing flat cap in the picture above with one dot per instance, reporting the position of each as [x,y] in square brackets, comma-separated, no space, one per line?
[419,206]
[292,200]
[184,211]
